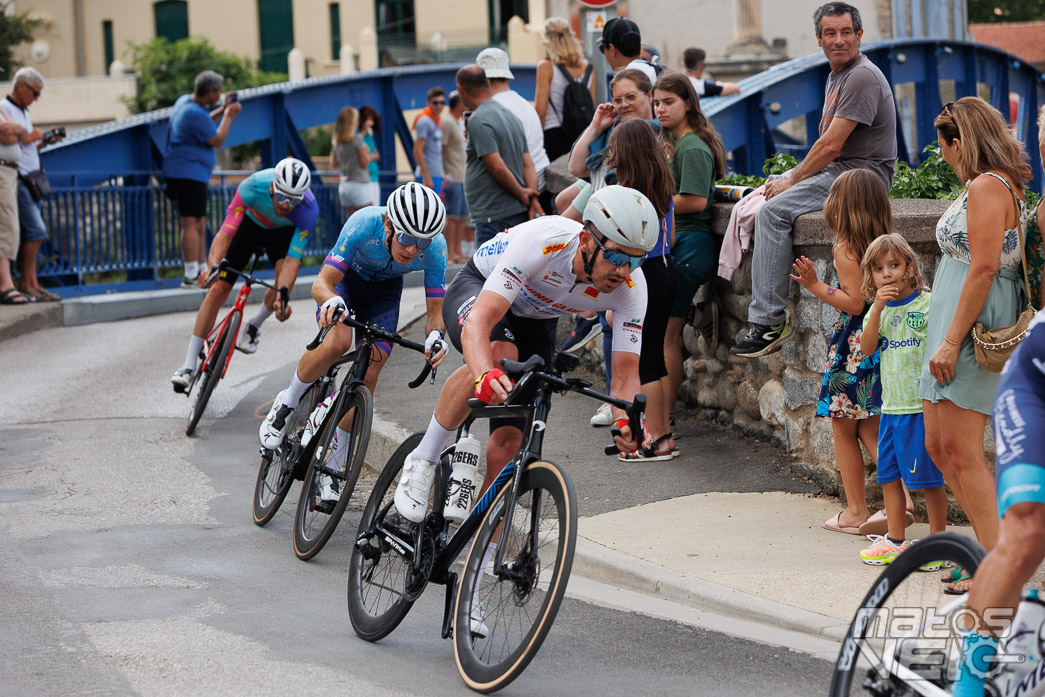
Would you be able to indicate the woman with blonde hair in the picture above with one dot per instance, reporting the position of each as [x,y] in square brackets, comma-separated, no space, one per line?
[978,279]
[352,156]
[565,63]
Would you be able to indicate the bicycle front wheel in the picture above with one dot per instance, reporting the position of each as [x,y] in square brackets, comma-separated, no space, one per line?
[906,629]
[276,473]
[381,589]
[501,619]
[212,373]
[317,517]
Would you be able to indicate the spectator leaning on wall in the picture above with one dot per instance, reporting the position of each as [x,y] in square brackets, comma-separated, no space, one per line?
[857,129]
[27,87]
[189,158]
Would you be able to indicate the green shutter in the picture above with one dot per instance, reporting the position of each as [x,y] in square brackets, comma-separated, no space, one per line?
[276,22]
[110,55]
[172,19]
[335,31]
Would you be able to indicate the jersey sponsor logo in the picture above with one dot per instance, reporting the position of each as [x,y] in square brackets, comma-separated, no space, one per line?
[916,320]
[493,248]
[629,283]
[554,248]
[904,343]
[552,278]
[634,325]
[591,292]
[1009,426]
[511,281]
[338,257]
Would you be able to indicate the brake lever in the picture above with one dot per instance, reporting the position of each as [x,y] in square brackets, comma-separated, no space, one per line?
[325,330]
[428,368]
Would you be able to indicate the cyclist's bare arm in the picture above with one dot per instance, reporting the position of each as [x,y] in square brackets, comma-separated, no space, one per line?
[323,290]
[288,273]
[488,310]
[434,322]
[625,385]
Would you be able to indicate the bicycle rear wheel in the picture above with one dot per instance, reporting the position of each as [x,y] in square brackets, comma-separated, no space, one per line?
[516,608]
[380,588]
[315,520]
[276,473]
[906,628]
[212,371]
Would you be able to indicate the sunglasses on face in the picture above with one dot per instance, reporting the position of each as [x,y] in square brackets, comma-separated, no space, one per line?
[409,240]
[36,93]
[616,258]
[438,102]
[286,199]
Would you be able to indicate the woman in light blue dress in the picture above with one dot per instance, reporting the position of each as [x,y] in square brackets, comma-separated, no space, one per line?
[978,279]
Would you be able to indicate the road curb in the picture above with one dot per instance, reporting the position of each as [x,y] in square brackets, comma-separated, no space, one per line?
[605,565]
[17,320]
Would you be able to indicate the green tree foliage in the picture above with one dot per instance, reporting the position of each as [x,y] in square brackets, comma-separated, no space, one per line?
[166,70]
[932,178]
[15,29]
[984,11]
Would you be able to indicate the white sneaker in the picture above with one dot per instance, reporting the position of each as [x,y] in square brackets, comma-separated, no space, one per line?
[274,427]
[329,492]
[478,621]
[603,417]
[411,497]
[248,339]
[181,379]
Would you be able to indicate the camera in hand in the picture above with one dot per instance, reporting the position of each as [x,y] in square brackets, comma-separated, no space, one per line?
[52,136]
[233,97]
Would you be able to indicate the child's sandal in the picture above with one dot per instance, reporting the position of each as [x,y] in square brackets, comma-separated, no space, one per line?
[648,453]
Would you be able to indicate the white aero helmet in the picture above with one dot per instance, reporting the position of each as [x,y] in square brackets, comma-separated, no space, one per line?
[416,210]
[292,177]
[623,215]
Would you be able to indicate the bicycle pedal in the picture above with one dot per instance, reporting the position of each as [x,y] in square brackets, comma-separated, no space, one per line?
[323,506]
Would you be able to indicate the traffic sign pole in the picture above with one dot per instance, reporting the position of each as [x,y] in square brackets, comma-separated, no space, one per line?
[592,22]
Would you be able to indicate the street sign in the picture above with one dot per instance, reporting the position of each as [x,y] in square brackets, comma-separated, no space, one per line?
[596,21]
[598,3]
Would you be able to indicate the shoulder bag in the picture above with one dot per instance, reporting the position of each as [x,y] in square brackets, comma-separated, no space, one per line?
[36,182]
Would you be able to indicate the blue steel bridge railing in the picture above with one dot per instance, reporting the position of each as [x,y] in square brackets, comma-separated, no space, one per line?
[103,233]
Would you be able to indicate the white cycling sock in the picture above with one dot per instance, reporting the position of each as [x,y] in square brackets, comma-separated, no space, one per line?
[292,395]
[487,559]
[262,315]
[192,270]
[195,346]
[434,441]
[337,452]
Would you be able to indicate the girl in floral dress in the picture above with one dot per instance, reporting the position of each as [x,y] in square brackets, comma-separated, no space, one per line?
[857,210]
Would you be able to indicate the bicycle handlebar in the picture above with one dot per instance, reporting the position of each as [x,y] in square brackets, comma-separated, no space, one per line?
[223,265]
[375,332]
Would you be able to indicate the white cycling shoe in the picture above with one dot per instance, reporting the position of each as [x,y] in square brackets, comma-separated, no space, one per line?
[478,621]
[274,427]
[411,497]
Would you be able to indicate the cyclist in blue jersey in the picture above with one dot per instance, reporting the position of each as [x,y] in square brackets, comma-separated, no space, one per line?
[1019,470]
[273,210]
[364,273]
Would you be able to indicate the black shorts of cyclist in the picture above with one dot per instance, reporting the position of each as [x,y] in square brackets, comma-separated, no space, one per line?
[376,302]
[190,195]
[252,238]
[530,336]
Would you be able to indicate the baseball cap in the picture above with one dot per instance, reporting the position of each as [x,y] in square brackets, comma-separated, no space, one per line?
[624,34]
[494,61]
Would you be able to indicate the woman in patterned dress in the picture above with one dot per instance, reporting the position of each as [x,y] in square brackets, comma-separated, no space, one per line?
[978,279]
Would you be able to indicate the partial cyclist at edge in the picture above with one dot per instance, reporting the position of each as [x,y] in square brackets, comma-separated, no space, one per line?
[363,274]
[505,302]
[1019,432]
[273,210]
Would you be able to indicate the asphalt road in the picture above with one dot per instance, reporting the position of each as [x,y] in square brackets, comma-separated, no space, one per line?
[131,565]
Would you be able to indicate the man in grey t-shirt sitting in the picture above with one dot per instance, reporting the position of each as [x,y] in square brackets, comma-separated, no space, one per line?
[857,130]
[500,182]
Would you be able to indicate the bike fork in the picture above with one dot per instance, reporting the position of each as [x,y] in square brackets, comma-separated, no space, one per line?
[448,608]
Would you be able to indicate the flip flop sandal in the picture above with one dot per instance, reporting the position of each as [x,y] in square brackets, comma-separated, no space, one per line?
[959,587]
[953,575]
[674,451]
[12,296]
[647,453]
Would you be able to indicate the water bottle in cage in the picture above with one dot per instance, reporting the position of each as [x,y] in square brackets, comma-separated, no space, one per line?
[463,485]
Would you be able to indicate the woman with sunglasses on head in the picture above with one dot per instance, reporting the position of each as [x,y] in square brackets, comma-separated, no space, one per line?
[978,279]
[272,211]
[363,274]
[697,162]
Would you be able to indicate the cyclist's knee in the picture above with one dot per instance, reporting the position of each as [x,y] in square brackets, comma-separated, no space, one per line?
[1022,533]
[503,444]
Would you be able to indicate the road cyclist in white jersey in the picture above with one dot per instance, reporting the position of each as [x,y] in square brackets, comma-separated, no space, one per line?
[505,303]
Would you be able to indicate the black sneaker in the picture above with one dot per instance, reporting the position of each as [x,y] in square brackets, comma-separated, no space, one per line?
[762,340]
[584,330]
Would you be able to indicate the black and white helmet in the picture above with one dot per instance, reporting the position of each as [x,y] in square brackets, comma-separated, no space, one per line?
[416,210]
[292,177]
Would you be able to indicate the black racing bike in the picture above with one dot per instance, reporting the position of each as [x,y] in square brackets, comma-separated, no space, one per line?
[498,612]
[306,452]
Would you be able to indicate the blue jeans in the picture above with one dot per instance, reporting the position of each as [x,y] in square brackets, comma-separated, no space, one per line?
[29,218]
[484,232]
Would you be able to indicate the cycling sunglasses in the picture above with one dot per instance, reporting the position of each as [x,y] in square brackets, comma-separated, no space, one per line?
[286,199]
[618,258]
[409,240]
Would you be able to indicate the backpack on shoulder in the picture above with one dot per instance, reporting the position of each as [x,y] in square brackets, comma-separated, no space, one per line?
[578,108]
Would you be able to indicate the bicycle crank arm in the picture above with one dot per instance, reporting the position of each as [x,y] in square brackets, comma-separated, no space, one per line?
[448,606]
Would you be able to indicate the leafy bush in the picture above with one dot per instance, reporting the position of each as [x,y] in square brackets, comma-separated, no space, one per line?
[167,70]
[932,178]
[778,163]
[15,29]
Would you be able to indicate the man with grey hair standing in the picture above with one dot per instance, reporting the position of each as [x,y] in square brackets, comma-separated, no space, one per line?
[26,88]
[189,158]
[857,130]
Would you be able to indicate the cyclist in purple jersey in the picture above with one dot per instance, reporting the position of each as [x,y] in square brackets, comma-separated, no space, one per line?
[364,274]
[278,223]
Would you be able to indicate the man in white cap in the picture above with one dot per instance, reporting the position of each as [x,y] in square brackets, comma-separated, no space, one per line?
[494,62]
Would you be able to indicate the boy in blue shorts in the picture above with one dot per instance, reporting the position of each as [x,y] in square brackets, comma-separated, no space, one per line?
[894,333]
